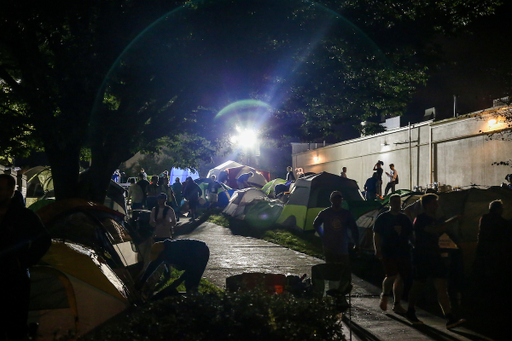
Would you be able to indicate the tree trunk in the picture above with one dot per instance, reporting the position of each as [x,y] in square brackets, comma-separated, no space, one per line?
[64,163]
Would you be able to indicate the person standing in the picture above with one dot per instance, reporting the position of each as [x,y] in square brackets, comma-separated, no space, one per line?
[213,190]
[378,169]
[23,241]
[143,184]
[370,187]
[192,192]
[153,190]
[136,194]
[290,177]
[116,175]
[177,188]
[337,222]
[393,179]
[344,172]
[493,248]
[428,262]
[163,219]
[391,234]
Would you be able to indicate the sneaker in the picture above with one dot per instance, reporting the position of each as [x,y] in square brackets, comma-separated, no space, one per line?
[383,303]
[452,323]
[398,309]
[411,316]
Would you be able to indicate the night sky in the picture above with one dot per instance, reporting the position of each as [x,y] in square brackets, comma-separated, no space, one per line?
[478,69]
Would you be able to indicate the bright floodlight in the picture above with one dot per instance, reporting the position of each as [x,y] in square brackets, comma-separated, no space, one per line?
[246,138]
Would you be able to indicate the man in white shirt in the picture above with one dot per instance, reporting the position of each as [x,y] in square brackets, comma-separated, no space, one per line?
[393,179]
[163,219]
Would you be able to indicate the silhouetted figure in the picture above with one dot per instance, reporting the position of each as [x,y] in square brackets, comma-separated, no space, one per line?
[183,254]
[23,241]
[391,235]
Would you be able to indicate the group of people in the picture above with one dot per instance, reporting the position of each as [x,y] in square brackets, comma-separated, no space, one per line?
[373,185]
[407,250]
[410,250]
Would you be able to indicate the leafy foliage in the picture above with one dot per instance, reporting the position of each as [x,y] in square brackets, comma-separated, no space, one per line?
[238,316]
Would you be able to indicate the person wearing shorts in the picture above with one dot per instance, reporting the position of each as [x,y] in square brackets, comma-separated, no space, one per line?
[391,234]
[428,262]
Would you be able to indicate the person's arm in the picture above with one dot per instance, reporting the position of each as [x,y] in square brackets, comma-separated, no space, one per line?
[40,241]
[441,228]
[170,219]
[377,243]
[353,229]
[152,218]
[319,220]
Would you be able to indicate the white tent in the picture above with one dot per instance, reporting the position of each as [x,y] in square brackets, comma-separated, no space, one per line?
[240,200]
[182,174]
[228,164]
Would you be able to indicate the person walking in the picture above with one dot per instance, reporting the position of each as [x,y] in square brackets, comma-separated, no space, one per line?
[428,262]
[23,241]
[337,222]
[177,188]
[393,179]
[391,235]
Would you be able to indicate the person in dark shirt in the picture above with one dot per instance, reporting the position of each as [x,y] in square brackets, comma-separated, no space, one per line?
[241,181]
[391,235]
[23,241]
[143,183]
[336,221]
[184,254]
[370,187]
[192,192]
[290,177]
[378,168]
[213,190]
[428,261]
[494,237]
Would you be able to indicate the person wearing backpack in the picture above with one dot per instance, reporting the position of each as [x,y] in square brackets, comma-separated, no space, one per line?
[163,219]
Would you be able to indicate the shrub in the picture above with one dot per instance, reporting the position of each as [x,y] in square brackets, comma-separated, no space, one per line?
[236,316]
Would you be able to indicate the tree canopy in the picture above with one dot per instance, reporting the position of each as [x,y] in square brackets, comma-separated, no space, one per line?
[120,75]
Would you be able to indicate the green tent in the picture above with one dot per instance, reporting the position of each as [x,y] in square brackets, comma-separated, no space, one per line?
[270,187]
[311,194]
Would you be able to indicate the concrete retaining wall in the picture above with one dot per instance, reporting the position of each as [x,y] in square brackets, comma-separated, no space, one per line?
[456,152]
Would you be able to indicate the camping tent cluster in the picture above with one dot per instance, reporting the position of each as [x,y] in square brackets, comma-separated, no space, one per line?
[87,276]
[299,206]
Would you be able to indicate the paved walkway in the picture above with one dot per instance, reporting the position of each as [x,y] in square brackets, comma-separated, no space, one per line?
[233,254]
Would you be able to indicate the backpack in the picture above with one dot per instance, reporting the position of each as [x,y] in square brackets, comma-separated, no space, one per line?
[396,180]
[166,209]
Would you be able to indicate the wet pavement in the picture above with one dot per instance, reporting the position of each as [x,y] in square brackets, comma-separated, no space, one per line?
[234,254]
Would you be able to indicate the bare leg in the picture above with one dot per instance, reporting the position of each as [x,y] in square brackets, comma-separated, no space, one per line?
[398,289]
[442,295]
[387,285]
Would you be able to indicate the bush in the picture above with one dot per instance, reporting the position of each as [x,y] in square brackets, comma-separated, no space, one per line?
[236,316]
